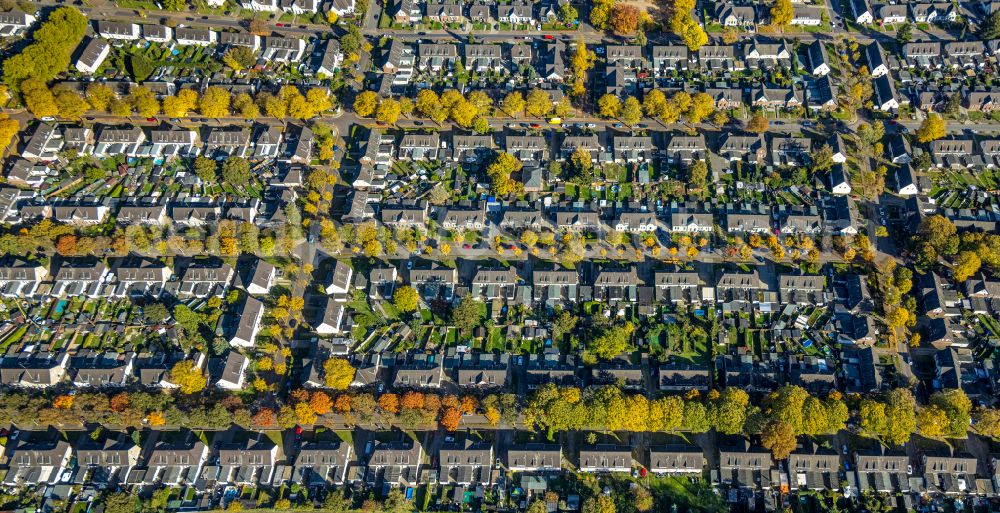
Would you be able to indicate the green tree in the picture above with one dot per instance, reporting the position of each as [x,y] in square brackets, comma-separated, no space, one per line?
[568,14]
[388,111]
[611,341]
[99,96]
[120,503]
[50,52]
[957,409]
[236,171]
[900,414]
[990,29]
[967,264]
[698,174]
[905,33]
[145,102]
[71,105]
[599,504]
[206,169]
[140,67]
[987,422]
[467,315]
[758,123]
[729,411]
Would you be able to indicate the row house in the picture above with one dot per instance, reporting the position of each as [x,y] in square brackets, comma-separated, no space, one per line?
[483,58]
[493,284]
[668,58]
[436,57]
[444,12]
[555,287]
[15,22]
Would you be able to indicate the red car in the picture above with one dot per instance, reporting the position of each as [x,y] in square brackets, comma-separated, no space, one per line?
[536,125]
[548,37]
[467,246]
[151,120]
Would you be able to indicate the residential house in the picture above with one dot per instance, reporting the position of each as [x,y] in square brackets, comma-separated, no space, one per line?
[483,370]
[676,460]
[405,215]
[93,55]
[745,466]
[534,457]
[395,463]
[20,278]
[118,31]
[667,58]
[437,57]
[45,143]
[283,49]
[416,146]
[434,283]
[444,12]
[244,324]
[691,222]
[321,463]
[36,459]
[190,36]
[248,462]
[14,23]
[555,286]
[606,458]
[466,464]
[491,284]
[632,148]
[230,372]
[33,370]
[814,467]
[176,462]
[515,13]
[109,460]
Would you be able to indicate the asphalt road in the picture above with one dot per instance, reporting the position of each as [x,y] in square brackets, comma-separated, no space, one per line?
[104,10]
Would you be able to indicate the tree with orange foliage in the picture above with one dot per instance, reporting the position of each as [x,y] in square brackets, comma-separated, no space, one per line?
[299,395]
[469,405]
[119,402]
[451,418]
[624,18]
[66,244]
[155,419]
[264,417]
[432,403]
[413,400]
[342,404]
[63,402]
[449,401]
[320,402]
[389,403]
